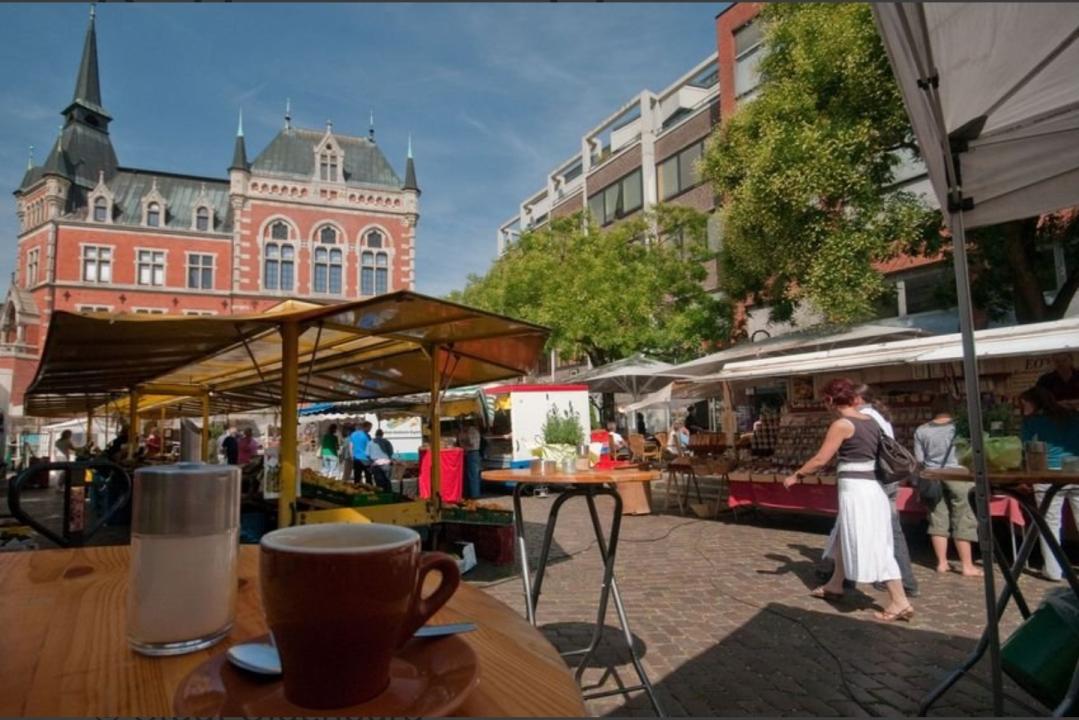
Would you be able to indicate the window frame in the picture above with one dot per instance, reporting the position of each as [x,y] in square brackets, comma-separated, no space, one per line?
[152,266]
[98,262]
[100,203]
[274,247]
[153,214]
[746,54]
[203,214]
[676,160]
[620,211]
[33,265]
[201,268]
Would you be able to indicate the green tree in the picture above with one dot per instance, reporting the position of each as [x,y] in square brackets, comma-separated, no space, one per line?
[803,169]
[806,173]
[609,293]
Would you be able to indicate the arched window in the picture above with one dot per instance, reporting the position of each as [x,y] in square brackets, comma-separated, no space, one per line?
[327,236]
[153,215]
[367,273]
[101,209]
[382,273]
[328,270]
[202,219]
[373,239]
[279,259]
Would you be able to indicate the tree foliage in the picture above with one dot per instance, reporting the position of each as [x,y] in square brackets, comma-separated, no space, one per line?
[609,293]
[805,167]
[806,173]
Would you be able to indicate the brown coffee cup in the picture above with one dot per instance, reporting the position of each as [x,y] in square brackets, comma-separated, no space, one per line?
[341,599]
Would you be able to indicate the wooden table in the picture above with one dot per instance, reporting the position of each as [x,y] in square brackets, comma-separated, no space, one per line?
[1014,483]
[63,648]
[587,484]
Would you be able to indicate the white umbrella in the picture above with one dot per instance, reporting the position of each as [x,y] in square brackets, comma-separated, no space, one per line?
[634,376]
[992,92]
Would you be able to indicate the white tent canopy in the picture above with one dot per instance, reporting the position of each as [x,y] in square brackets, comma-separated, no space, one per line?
[677,395]
[1016,341]
[1006,74]
[634,376]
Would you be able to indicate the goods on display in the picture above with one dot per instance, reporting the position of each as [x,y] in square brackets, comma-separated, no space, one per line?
[474,512]
[315,485]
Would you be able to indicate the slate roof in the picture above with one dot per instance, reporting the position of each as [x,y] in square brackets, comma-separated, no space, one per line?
[292,154]
[129,186]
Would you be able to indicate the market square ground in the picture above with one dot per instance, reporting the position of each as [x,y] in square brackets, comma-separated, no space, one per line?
[722,614]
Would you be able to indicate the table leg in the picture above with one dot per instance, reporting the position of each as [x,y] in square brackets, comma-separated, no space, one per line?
[545,550]
[1011,585]
[522,551]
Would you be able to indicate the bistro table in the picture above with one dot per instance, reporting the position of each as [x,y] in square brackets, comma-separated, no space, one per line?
[587,484]
[64,650]
[1017,485]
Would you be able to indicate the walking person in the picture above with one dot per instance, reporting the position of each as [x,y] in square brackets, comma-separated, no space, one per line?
[344,454]
[359,440]
[951,514]
[862,544]
[380,461]
[329,446]
[1046,420]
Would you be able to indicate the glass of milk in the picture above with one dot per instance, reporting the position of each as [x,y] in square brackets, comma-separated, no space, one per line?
[185,525]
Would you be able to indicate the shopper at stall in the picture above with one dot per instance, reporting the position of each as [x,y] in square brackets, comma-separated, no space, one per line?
[951,515]
[678,440]
[862,544]
[382,442]
[1045,420]
[329,446]
[153,441]
[470,443]
[230,449]
[247,447]
[1062,381]
[617,442]
[115,450]
[379,465]
[361,462]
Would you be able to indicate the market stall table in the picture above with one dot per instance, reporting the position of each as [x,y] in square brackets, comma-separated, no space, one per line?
[1016,485]
[587,484]
[65,652]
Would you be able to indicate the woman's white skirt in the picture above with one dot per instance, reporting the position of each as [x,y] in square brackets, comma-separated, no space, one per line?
[864,529]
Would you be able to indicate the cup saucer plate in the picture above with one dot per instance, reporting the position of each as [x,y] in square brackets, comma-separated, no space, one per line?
[428,677]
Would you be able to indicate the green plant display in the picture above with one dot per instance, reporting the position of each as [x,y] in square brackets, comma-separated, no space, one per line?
[998,418]
[562,428]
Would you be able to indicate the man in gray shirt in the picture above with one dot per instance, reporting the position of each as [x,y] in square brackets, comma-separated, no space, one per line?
[951,515]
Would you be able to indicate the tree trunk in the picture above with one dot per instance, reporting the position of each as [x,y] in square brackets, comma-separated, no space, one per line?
[1020,239]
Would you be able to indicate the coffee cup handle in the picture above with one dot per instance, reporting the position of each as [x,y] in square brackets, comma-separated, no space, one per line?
[423,608]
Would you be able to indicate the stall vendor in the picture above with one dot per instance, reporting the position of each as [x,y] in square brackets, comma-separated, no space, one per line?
[247,447]
[1062,381]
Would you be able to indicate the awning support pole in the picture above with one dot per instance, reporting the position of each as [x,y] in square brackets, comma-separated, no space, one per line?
[89,426]
[436,429]
[982,490]
[206,428]
[132,424]
[729,425]
[290,386]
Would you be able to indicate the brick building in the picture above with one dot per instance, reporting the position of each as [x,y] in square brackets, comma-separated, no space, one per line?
[317,215]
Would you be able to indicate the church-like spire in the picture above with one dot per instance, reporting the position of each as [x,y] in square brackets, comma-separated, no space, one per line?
[87,82]
[288,114]
[239,151]
[410,169]
[57,162]
[371,127]
[30,159]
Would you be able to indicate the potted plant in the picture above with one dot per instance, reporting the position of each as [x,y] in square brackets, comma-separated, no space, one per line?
[562,434]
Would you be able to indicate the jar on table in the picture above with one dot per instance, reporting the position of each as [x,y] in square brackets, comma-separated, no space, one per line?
[185,528]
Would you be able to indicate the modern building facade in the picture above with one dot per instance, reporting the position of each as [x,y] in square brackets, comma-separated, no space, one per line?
[317,214]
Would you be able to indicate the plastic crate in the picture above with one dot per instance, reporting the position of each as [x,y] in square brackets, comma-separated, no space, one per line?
[1041,655]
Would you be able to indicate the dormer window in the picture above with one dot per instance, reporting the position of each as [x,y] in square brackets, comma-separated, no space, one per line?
[153,214]
[153,207]
[100,201]
[101,210]
[202,219]
[328,165]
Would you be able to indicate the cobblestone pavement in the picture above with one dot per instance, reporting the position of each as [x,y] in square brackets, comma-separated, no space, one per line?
[721,614]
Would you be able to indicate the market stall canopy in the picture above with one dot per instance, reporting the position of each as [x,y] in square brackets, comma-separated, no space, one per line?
[677,395]
[633,375]
[1005,77]
[459,401]
[792,343]
[359,350]
[1016,341]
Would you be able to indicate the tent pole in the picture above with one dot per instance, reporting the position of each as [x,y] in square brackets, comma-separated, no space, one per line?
[89,426]
[436,429]
[981,480]
[132,423]
[290,387]
[206,428]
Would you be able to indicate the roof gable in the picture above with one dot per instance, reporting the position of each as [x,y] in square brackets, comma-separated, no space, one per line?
[292,153]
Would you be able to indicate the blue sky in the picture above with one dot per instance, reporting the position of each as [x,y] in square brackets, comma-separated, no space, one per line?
[494,95]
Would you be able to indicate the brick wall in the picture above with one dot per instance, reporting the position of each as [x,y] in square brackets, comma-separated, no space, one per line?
[688,132]
[728,21]
[575,203]
[701,197]
[622,164]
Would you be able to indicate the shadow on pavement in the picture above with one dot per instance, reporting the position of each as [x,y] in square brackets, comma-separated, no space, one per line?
[789,661]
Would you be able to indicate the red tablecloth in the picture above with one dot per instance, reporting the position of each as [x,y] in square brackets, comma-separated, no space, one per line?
[824,499]
[453,467]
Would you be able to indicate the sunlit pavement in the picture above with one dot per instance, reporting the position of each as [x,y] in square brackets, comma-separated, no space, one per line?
[721,612]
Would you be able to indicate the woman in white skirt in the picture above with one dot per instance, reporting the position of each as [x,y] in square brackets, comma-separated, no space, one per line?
[862,544]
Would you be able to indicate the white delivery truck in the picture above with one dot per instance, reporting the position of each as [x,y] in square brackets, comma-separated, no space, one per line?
[519,414]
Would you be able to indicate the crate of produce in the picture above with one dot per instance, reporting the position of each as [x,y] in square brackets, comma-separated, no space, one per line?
[477,514]
[493,543]
[361,498]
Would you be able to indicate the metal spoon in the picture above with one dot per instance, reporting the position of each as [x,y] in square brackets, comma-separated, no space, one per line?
[262,658]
